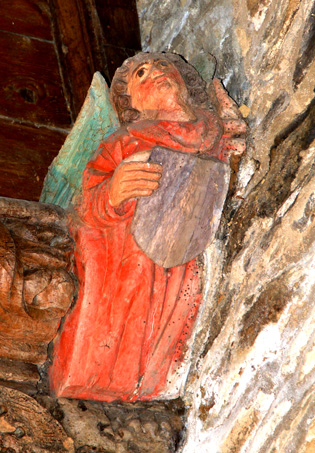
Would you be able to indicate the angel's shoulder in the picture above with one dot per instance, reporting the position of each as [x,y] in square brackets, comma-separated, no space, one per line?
[118,136]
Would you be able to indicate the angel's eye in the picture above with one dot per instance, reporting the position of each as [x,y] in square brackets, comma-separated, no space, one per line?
[161,64]
[140,72]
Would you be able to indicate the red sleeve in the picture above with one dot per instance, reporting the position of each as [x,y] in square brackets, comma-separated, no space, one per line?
[214,143]
[95,208]
[222,151]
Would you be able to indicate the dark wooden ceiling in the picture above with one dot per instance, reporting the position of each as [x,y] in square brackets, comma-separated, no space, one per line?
[49,51]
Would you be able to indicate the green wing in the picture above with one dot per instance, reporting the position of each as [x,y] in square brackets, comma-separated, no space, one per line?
[97,119]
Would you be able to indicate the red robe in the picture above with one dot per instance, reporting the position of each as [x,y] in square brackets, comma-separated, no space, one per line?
[128,329]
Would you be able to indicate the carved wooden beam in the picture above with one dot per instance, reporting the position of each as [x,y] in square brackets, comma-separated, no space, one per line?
[74,51]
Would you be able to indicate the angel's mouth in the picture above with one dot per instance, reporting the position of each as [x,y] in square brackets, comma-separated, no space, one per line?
[159,77]
[162,80]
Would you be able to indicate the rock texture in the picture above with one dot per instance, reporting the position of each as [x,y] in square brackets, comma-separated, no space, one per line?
[251,388]
[193,27]
[251,380]
[263,50]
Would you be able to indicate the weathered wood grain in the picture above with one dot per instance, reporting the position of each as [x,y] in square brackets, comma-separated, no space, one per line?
[36,289]
[31,84]
[87,41]
[179,220]
[120,23]
[49,51]
[31,212]
[115,56]
[26,426]
[19,375]
[27,17]
[74,49]
[26,152]
[120,26]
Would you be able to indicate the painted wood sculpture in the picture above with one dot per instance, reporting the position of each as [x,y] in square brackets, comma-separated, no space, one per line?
[128,330]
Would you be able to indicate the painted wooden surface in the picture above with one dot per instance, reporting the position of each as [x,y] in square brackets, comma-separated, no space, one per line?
[127,333]
[131,320]
[179,220]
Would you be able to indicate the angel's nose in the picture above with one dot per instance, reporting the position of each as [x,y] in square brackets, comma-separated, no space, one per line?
[155,72]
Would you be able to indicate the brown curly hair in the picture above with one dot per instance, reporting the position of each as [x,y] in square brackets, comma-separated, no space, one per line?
[196,87]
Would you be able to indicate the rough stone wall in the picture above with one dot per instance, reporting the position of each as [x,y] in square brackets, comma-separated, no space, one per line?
[252,376]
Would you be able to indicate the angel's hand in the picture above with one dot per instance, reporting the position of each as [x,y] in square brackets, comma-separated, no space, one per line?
[235,128]
[141,156]
[133,179]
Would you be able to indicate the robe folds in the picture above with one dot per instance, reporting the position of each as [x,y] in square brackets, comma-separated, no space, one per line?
[127,332]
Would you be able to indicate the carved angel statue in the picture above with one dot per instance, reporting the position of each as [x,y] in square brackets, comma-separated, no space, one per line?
[127,333]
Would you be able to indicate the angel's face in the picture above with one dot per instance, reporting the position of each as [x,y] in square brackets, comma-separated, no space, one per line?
[156,86]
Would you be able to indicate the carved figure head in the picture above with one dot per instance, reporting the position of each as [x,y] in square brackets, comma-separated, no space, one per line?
[184,78]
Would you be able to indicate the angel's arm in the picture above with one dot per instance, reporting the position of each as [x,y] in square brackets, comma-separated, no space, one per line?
[111,185]
[95,208]
[235,129]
